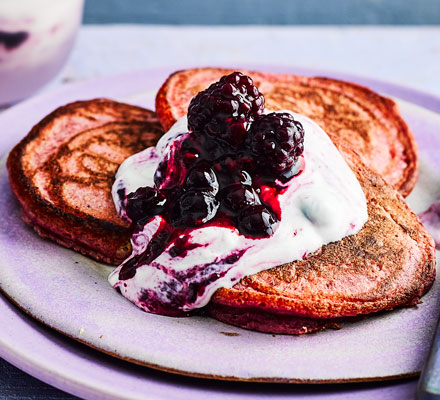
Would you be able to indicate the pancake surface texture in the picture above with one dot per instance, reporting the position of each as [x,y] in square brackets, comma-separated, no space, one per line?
[389,263]
[369,123]
[63,170]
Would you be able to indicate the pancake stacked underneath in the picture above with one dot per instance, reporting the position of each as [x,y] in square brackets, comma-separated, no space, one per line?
[63,170]
[367,122]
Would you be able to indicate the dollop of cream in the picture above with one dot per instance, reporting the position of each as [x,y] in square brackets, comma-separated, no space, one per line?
[323,204]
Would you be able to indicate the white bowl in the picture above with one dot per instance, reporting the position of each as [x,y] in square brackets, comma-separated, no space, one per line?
[36,37]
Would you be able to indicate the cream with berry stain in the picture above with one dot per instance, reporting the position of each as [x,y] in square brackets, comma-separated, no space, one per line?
[322,204]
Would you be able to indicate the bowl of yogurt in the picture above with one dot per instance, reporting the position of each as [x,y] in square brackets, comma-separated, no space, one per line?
[36,37]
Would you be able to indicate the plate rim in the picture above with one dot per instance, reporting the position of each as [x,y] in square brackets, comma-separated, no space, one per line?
[409,94]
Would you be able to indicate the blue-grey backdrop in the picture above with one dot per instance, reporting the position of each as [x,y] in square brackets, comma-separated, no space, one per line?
[284,12]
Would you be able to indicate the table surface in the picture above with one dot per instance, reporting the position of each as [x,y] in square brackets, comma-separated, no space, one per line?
[408,56]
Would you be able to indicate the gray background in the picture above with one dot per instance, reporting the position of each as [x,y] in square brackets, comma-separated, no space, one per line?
[280,12]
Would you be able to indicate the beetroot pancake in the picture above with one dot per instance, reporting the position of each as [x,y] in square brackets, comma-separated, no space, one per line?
[62,172]
[390,263]
[369,123]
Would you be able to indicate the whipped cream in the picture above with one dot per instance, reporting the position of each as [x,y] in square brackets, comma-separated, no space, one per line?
[323,204]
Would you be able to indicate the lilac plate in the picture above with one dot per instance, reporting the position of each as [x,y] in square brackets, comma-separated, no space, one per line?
[70,293]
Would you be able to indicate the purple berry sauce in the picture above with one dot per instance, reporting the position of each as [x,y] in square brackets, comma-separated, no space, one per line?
[226,171]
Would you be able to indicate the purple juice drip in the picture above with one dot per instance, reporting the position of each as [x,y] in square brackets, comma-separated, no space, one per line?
[183,288]
[186,286]
[156,246]
[182,245]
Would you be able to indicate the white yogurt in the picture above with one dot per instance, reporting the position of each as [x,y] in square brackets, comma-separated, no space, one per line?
[323,204]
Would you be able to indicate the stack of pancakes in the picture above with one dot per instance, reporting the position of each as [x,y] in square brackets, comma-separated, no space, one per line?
[62,172]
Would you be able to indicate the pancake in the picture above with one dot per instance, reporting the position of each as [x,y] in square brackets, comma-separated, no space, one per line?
[389,263]
[368,122]
[63,170]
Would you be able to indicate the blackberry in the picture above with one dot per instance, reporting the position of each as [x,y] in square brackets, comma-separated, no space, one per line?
[237,197]
[276,142]
[226,109]
[145,203]
[256,221]
[232,169]
[243,177]
[202,177]
[193,208]
[212,148]
[189,152]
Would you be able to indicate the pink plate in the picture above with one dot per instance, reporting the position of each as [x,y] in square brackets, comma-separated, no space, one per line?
[70,293]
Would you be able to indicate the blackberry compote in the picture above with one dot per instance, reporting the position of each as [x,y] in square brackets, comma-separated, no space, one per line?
[257,220]
[216,174]
[144,203]
[193,208]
